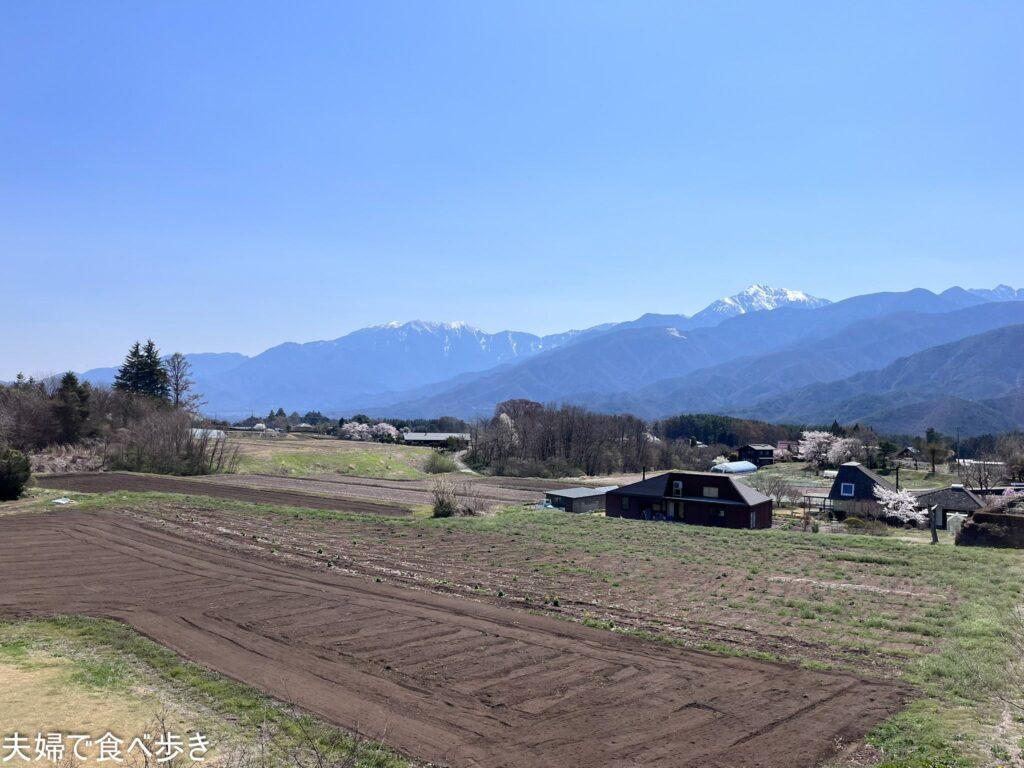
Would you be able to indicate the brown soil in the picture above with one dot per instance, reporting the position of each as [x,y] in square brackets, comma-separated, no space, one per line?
[396,491]
[538,484]
[116,481]
[612,570]
[445,679]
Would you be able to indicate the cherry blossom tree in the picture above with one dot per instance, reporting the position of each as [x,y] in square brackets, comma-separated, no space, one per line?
[353,430]
[846,449]
[383,432]
[815,446]
[900,505]
[1008,498]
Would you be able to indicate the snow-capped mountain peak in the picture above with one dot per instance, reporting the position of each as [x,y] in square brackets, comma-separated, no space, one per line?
[426,326]
[999,293]
[759,297]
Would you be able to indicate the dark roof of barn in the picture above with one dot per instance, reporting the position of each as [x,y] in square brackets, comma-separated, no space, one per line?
[952,498]
[652,486]
[759,446]
[748,494]
[863,479]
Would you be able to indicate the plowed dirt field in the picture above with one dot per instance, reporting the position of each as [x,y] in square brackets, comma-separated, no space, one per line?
[444,679]
[104,482]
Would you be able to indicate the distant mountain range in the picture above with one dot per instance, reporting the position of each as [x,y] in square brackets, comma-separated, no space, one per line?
[885,359]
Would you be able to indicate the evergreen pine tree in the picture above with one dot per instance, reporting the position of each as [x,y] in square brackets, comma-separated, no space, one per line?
[144,373]
[128,376]
[155,381]
[71,407]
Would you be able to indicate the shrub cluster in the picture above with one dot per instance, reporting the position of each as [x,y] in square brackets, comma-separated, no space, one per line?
[450,500]
[438,463]
[14,473]
[164,442]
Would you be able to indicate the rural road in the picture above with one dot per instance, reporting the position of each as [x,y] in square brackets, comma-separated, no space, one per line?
[444,679]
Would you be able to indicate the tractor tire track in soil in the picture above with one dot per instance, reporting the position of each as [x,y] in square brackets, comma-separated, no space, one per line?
[105,482]
[447,680]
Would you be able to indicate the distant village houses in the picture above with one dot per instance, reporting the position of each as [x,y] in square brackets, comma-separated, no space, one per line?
[758,454]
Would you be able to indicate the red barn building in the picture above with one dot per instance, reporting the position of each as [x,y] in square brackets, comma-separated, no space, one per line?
[701,498]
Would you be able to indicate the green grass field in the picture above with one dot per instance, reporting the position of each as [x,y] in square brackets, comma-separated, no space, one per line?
[936,617]
[308,456]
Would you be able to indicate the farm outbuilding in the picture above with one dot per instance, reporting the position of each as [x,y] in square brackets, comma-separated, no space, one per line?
[700,498]
[947,501]
[579,499]
[199,433]
[735,468]
[436,439]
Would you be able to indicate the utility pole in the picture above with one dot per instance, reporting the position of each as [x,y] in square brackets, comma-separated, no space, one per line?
[897,477]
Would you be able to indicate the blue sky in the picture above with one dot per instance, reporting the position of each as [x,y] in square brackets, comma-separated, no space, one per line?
[228,176]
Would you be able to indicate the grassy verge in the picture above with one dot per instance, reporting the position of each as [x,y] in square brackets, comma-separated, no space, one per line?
[109,661]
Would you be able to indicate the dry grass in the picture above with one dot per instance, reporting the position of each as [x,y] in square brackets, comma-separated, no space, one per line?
[48,693]
[90,676]
[302,456]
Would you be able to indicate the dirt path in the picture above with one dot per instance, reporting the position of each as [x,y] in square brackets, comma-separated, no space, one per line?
[448,680]
[103,482]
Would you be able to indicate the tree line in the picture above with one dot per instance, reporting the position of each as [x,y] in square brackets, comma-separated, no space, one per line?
[526,438]
[143,422]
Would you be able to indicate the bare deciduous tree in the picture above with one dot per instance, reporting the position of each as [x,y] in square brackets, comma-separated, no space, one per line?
[179,374]
[980,474]
[775,486]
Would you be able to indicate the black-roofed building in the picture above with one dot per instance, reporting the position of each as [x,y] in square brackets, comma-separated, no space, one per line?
[701,498]
[758,454]
[853,490]
[437,439]
[947,501]
[579,499]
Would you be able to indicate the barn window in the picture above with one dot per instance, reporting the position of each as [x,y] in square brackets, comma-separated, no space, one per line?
[625,503]
[847,489]
[710,492]
[677,487]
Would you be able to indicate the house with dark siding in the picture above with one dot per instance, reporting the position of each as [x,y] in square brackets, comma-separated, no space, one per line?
[701,498]
[758,454]
[853,490]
